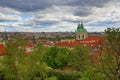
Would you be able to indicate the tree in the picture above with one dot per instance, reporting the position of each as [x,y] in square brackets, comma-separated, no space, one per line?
[18,66]
[13,59]
[93,74]
[107,65]
[36,65]
[110,61]
[50,56]
[57,57]
[62,56]
[51,78]
[79,58]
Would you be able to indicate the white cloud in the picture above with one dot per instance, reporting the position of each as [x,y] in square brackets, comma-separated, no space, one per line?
[7,10]
[7,14]
[62,18]
[8,17]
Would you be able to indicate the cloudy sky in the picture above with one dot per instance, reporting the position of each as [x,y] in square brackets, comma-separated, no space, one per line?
[58,15]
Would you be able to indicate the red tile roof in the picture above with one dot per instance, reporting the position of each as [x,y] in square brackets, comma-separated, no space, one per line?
[90,41]
[29,44]
[2,47]
[47,43]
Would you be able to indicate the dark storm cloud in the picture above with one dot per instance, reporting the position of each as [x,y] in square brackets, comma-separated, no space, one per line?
[3,20]
[88,3]
[46,23]
[33,5]
[25,5]
[82,11]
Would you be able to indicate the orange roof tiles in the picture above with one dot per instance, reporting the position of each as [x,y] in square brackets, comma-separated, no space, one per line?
[47,43]
[2,47]
[29,44]
[90,41]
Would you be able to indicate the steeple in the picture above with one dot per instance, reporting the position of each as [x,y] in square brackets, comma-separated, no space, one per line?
[80,25]
[33,39]
[5,37]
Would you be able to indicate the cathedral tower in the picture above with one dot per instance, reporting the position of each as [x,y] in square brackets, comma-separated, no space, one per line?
[81,32]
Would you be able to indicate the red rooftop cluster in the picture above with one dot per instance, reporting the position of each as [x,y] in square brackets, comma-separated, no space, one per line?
[92,41]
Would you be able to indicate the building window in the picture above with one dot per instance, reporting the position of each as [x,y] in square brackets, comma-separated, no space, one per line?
[83,36]
[79,36]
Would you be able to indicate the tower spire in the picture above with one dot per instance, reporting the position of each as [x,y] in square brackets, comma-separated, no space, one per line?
[5,37]
[82,26]
[34,41]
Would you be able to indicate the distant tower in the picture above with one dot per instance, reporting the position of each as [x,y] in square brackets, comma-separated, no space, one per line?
[5,37]
[81,32]
[34,40]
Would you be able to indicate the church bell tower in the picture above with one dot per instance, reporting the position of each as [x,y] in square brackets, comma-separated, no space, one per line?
[81,32]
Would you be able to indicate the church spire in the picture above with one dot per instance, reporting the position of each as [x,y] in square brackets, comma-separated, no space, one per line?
[34,41]
[80,25]
[5,37]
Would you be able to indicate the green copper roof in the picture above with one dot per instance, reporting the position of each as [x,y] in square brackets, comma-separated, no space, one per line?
[81,28]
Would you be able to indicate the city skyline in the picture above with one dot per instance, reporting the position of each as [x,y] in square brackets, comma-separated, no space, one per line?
[57,15]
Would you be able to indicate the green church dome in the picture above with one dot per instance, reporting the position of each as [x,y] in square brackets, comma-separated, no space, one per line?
[81,28]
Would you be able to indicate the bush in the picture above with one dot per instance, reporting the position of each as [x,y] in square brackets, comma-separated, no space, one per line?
[51,78]
[2,75]
[65,76]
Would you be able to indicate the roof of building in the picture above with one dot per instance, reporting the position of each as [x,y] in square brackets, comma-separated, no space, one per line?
[93,41]
[28,45]
[2,49]
[90,41]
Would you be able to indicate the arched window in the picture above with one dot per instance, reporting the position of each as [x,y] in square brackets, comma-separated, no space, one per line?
[83,36]
[79,36]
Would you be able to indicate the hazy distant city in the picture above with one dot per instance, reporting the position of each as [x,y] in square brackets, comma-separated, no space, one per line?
[48,35]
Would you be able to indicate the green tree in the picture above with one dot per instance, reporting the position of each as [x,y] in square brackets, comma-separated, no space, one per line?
[14,57]
[79,58]
[110,61]
[50,56]
[62,56]
[107,65]
[93,74]
[18,66]
[51,78]
[36,65]
[57,57]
